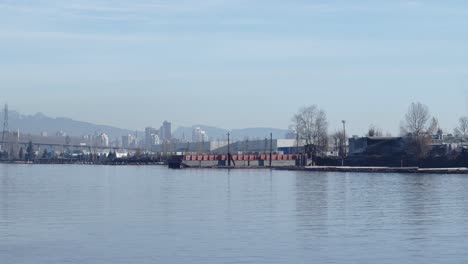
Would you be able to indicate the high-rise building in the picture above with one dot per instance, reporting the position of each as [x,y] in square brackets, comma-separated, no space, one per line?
[199,135]
[61,133]
[155,140]
[104,140]
[128,141]
[166,132]
[149,136]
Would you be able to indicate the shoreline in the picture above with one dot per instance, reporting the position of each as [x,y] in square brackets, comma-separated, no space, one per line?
[341,169]
[411,170]
[85,163]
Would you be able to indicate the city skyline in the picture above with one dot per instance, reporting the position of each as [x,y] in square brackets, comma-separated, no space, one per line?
[234,64]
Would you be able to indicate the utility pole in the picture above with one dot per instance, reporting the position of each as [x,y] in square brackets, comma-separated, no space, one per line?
[5,126]
[297,142]
[271,148]
[246,146]
[247,151]
[297,149]
[344,136]
[229,151]
[344,139]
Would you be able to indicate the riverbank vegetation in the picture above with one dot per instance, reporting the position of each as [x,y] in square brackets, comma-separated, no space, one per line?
[422,142]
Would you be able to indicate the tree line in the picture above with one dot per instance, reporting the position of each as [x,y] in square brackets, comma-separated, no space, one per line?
[310,126]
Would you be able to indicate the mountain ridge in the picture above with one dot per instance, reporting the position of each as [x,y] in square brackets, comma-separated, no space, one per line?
[39,122]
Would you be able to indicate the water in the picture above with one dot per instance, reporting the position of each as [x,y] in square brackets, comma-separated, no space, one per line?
[99,214]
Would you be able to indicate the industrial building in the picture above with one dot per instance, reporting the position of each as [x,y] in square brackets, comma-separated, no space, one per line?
[390,146]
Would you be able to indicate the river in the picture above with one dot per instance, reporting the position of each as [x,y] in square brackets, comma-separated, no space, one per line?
[150,214]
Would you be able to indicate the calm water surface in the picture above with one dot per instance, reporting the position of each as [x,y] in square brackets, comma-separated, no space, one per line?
[99,214]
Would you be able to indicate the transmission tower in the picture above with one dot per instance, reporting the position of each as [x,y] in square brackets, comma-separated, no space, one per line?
[5,126]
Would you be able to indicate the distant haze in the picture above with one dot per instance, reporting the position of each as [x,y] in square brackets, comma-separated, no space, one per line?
[234,64]
[216,133]
[39,123]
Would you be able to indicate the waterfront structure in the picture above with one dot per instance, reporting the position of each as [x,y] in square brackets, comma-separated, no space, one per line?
[390,146]
[395,146]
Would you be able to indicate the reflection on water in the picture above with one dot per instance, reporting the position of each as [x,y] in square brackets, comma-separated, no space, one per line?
[99,214]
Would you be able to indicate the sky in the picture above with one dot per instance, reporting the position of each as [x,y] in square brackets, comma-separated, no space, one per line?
[234,63]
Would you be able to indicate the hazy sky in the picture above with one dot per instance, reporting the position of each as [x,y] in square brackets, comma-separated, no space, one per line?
[234,63]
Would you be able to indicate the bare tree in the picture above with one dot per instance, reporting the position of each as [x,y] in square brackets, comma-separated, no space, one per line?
[374,131]
[462,128]
[416,119]
[339,140]
[295,129]
[311,126]
[416,125]
[433,127]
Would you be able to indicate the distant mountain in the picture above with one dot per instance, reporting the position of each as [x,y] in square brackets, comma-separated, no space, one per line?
[215,133]
[35,124]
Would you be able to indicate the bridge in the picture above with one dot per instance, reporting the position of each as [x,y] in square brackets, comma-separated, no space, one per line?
[75,146]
